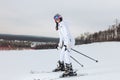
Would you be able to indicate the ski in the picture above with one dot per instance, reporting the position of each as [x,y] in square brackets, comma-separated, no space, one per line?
[38,72]
[78,75]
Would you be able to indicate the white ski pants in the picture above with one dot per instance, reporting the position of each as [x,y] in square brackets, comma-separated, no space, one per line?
[65,56]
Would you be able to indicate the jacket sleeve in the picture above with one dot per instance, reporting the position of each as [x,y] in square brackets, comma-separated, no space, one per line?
[60,40]
[66,35]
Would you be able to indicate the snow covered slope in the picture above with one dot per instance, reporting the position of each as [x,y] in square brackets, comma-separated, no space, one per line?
[17,65]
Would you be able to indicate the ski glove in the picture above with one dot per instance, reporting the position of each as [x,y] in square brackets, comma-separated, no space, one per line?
[68,47]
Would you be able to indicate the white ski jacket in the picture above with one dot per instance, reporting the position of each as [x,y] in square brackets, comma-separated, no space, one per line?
[65,36]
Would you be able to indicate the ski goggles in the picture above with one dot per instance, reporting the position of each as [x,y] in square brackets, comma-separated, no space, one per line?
[57,17]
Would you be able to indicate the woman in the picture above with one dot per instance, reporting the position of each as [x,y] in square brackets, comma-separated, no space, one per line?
[66,42]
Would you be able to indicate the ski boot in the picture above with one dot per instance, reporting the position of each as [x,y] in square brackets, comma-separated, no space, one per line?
[68,71]
[60,67]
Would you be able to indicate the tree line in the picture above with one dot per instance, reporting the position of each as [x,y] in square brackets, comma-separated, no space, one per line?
[111,34]
[20,45]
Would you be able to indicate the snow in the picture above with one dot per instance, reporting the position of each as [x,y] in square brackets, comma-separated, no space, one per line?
[17,64]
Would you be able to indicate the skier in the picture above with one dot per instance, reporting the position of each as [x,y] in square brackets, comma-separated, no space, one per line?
[66,42]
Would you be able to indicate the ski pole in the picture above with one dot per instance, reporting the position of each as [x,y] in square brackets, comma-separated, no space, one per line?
[77,61]
[85,55]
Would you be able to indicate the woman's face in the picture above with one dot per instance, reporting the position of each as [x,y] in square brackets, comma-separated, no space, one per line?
[58,20]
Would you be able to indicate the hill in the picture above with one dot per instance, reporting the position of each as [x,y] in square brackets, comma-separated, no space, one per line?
[17,64]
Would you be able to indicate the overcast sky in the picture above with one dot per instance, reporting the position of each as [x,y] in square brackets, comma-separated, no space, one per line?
[35,17]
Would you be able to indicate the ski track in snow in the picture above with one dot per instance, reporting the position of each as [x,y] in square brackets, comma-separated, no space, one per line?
[17,64]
